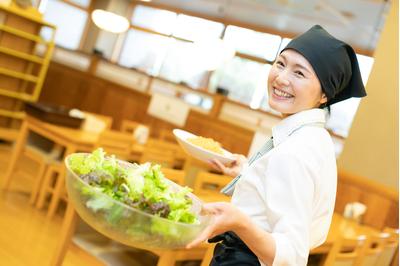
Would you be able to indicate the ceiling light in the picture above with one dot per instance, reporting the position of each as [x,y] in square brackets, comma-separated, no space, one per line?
[109,21]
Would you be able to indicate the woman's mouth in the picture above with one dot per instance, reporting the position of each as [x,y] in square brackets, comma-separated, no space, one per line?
[281,94]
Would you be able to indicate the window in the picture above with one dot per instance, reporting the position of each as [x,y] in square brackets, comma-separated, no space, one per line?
[179,65]
[158,20]
[246,80]
[144,51]
[70,21]
[163,43]
[284,42]
[262,45]
[193,28]
[82,3]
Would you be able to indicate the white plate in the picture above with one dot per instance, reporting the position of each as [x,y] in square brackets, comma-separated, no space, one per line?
[199,152]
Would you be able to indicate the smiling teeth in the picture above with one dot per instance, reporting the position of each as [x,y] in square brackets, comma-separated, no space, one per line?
[282,93]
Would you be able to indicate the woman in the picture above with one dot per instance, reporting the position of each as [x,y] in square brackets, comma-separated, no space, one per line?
[283,199]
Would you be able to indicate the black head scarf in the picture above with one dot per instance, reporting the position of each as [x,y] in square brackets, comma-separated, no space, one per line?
[334,62]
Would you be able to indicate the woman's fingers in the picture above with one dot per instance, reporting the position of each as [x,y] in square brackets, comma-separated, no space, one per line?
[217,165]
[206,234]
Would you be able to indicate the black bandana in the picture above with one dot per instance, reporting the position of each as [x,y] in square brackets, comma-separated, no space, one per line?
[334,62]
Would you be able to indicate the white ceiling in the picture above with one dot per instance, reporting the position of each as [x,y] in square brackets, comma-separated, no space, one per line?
[357,22]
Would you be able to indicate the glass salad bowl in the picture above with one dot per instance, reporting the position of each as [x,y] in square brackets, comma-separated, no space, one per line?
[138,224]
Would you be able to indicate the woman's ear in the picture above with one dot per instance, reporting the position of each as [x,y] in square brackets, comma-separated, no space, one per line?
[323,99]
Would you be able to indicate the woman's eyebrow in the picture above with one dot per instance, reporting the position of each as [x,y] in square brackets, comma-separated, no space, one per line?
[302,67]
[296,65]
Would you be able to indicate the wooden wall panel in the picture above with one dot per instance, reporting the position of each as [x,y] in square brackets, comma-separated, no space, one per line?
[346,193]
[76,89]
[382,202]
[92,95]
[377,210]
[392,219]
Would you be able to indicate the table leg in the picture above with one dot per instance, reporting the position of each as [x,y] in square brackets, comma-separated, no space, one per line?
[19,145]
[208,256]
[167,258]
[67,229]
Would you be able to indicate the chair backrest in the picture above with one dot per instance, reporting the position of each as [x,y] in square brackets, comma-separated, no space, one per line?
[116,142]
[208,182]
[390,247]
[139,131]
[167,135]
[96,123]
[177,176]
[129,126]
[373,249]
[346,251]
[161,152]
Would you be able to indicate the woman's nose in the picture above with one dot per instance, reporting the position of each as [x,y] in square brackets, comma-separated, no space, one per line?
[282,78]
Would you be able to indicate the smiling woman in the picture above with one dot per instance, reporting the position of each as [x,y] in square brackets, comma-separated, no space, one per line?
[283,197]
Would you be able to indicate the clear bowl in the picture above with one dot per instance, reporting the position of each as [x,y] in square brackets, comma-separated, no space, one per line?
[129,225]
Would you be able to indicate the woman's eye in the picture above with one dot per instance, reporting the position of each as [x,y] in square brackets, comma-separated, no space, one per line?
[299,73]
[280,63]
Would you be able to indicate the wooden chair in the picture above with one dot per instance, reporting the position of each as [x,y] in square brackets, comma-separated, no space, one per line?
[53,186]
[346,251]
[129,126]
[167,135]
[390,248]
[373,249]
[96,123]
[161,152]
[208,185]
[42,154]
[93,122]
[116,142]
[177,176]
[53,180]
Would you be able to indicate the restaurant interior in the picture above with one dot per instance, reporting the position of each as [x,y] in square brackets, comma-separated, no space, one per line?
[121,75]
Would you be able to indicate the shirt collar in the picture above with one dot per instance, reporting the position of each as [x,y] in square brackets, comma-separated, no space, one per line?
[293,122]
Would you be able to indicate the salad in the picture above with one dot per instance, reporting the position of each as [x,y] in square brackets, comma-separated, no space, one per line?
[135,201]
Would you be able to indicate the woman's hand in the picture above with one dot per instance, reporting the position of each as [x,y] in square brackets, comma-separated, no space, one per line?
[233,169]
[225,217]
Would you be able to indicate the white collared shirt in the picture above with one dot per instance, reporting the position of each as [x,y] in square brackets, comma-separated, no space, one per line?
[290,191]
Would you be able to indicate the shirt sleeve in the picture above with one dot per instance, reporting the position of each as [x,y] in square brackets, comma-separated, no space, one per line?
[289,191]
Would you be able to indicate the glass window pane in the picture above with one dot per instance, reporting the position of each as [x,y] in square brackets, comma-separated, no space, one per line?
[254,43]
[193,28]
[83,3]
[144,51]
[162,21]
[180,65]
[365,63]
[284,42]
[342,115]
[246,80]
[70,22]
